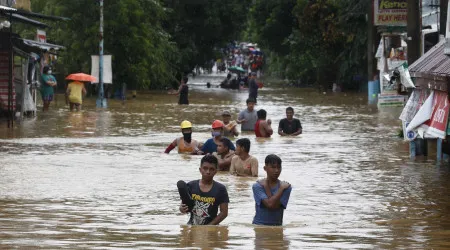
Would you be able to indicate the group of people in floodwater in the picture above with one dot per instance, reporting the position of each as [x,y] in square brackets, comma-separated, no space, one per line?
[207,201]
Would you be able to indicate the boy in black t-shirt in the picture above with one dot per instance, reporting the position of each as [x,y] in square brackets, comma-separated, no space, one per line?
[208,196]
[289,126]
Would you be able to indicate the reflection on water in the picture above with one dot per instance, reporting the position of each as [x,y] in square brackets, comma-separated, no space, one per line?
[99,178]
[270,238]
[204,237]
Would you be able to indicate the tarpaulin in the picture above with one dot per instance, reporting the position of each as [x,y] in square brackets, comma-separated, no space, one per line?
[437,125]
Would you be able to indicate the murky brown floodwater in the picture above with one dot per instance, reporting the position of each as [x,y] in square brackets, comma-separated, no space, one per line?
[99,179]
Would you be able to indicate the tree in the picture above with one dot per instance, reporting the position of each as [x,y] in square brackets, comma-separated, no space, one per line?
[143,54]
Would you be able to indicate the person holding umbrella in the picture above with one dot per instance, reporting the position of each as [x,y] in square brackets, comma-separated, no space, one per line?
[76,90]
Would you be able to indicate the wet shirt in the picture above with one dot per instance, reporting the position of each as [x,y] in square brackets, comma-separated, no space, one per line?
[76,90]
[184,147]
[184,95]
[263,215]
[250,117]
[289,127]
[210,146]
[45,88]
[206,205]
[249,167]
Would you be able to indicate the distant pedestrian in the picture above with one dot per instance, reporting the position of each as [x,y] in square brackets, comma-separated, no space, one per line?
[75,91]
[183,92]
[48,81]
[271,195]
[253,87]
[290,126]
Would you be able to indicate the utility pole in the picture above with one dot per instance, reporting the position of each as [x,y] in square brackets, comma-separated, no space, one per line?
[443,17]
[414,28]
[101,101]
[371,35]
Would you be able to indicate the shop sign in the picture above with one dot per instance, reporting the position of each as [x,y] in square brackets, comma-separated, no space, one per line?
[438,122]
[390,12]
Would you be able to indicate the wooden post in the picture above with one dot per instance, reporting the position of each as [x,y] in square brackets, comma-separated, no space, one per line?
[439,150]
[412,150]
[371,35]
[414,28]
[443,16]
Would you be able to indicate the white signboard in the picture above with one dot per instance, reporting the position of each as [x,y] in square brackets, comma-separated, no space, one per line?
[41,36]
[107,69]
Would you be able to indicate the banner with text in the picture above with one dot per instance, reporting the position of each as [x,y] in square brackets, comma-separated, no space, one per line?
[390,12]
[437,125]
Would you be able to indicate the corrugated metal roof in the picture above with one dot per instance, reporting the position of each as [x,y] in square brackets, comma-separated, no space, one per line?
[434,62]
[43,46]
[8,9]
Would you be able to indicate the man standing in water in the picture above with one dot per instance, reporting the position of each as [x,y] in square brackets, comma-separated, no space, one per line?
[229,128]
[224,154]
[208,195]
[247,117]
[210,145]
[48,81]
[271,195]
[252,87]
[289,126]
[242,163]
[183,92]
[262,127]
[185,144]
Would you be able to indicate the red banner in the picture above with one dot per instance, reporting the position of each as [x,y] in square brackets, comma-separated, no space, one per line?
[438,122]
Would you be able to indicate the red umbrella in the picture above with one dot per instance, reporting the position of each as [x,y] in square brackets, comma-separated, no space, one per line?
[82,77]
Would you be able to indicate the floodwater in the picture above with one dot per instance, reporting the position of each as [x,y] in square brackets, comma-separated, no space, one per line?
[99,179]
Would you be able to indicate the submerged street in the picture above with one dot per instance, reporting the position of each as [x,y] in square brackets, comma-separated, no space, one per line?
[99,178]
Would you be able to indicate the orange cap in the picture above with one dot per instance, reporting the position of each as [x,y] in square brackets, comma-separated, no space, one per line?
[217,124]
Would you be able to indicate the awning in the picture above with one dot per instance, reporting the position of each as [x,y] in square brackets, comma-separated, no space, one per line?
[41,45]
[7,9]
[22,19]
[22,16]
[432,70]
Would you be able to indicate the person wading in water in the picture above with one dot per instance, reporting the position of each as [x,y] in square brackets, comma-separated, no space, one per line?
[210,146]
[183,92]
[185,144]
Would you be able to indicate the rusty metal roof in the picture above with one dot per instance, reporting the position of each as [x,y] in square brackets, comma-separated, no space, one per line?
[433,63]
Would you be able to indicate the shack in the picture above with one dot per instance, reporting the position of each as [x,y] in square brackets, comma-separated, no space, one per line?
[425,116]
[20,62]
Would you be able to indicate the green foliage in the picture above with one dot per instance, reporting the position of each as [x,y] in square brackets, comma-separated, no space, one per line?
[199,27]
[152,42]
[321,41]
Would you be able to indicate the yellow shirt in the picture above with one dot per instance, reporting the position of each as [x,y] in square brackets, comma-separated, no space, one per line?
[249,167]
[184,147]
[76,90]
